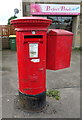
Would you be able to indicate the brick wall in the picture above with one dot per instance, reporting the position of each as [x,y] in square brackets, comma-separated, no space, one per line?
[5,31]
[5,42]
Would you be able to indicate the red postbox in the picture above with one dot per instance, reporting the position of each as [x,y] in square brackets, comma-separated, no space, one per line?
[31,52]
[59,47]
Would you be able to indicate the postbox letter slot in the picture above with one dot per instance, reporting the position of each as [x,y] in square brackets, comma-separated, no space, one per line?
[33,36]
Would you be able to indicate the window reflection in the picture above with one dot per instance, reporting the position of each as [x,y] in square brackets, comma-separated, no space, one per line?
[61,22]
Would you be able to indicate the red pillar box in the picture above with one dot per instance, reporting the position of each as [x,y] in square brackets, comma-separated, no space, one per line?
[31,52]
[59,47]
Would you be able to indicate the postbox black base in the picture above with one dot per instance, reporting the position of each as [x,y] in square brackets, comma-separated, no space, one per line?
[33,103]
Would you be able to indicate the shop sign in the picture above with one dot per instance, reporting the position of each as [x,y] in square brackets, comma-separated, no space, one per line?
[54,9]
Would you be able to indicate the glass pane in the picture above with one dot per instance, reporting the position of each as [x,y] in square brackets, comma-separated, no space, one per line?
[61,22]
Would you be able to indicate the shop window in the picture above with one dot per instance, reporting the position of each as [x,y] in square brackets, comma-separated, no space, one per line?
[61,22]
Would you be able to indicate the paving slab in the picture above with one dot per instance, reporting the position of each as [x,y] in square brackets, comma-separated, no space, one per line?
[67,107]
[67,81]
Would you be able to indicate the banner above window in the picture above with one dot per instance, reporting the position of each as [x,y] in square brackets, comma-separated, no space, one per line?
[54,9]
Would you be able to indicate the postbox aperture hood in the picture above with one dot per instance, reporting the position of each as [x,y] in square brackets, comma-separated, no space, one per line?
[30,23]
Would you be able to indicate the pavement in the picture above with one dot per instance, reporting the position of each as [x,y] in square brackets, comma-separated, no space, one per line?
[66,81]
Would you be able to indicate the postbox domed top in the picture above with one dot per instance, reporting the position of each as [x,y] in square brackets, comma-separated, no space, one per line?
[30,23]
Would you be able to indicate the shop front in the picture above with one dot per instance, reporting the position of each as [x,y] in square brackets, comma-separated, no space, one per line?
[63,16]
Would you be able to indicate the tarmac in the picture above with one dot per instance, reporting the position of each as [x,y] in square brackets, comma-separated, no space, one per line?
[67,81]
